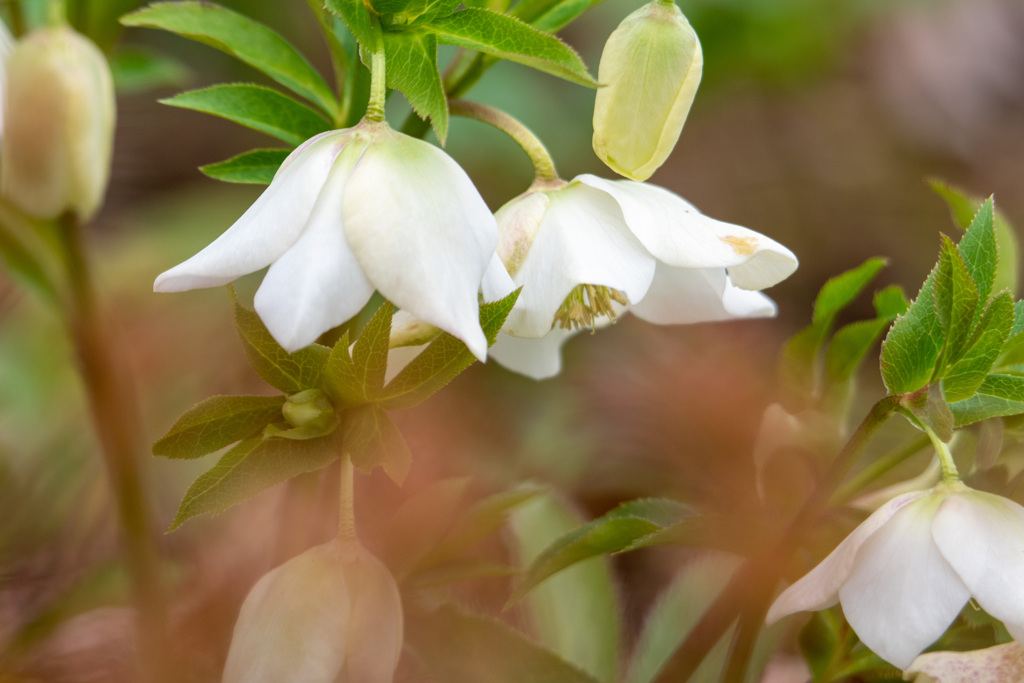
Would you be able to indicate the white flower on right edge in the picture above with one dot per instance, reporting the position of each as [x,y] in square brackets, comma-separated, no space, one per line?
[583,251]
[905,573]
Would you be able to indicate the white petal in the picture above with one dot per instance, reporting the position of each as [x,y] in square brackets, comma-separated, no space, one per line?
[317,284]
[374,642]
[695,295]
[675,232]
[518,221]
[422,233]
[497,284]
[820,587]
[268,228]
[981,535]
[535,358]
[582,240]
[901,593]
[998,664]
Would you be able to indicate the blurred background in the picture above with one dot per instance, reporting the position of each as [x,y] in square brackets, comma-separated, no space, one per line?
[816,123]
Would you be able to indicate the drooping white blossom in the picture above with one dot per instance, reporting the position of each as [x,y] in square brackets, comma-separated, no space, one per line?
[905,573]
[586,250]
[349,212]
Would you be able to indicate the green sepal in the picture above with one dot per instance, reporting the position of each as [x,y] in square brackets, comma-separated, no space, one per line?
[411,61]
[997,396]
[963,378]
[251,467]
[286,372]
[955,298]
[256,107]
[506,37]
[257,166]
[372,439]
[242,38]
[217,422]
[442,360]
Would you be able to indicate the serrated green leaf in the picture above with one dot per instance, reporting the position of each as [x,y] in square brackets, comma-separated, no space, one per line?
[287,372]
[998,396]
[713,532]
[979,251]
[256,107]
[955,297]
[890,302]
[240,37]
[357,17]
[370,352]
[967,374]
[561,14]
[340,380]
[480,521]
[1018,319]
[509,38]
[372,439]
[257,166]
[442,360]
[621,528]
[457,647]
[912,347]
[841,290]
[849,345]
[413,12]
[575,613]
[411,59]
[217,422]
[137,69]
[251,467]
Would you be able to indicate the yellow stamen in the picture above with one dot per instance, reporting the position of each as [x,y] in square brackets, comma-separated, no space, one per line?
[586,304]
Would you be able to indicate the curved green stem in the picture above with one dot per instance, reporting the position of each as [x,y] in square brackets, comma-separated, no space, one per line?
[543,165]
[854,486]
[949,471]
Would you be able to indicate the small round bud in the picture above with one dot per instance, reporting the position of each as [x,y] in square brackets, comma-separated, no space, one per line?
[648,76]
[311,413]
[58,125]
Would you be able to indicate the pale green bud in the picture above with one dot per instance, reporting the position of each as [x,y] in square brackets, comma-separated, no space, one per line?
[58,125]
[310,413]
[330,615]
[649,73]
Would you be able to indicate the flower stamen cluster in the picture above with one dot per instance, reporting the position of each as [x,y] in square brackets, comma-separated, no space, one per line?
[586,304]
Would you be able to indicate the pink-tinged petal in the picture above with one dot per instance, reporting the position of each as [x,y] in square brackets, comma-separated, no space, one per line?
[536,358]
[901,594]
[999,664]
[421,232]
[582,240]
[695,295]
[318,283]
[518,221]
[981,535]
[268,228]
[820,587]
[675,232]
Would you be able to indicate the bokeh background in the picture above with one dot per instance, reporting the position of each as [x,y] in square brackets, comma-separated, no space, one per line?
[816,123]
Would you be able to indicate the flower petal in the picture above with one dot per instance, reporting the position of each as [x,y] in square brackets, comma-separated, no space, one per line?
[675,232]
[901,593]
[694,295]
[268,228]
[421,232]
[820,587]
[375,624]
[981,535]
[317,284]
[497,284]
[998,664]
[582,240]
[536,358]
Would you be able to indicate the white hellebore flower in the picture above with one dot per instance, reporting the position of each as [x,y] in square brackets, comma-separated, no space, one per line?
[351,211]
[584,250]
[905,573]
[330,615]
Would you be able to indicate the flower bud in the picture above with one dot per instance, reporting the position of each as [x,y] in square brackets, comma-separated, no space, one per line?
[330,615]
[310,413]
[58,125]
[649,73]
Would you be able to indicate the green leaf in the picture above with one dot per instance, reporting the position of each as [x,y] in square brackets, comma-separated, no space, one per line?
[890,302]
[287,372]
[998,396]
[509,38]
[340,380]
[370,352]
[561,14]
[912,347]
[458,647]
[714,532]
[575,613]
[249,468]
[979,251]
[966,375]
[411,59]
[849,346]
[442,360]
[257,107]
[413,12]
[841,290]
[619,529]
[357,17]
[137,69]
[257,166]
[372,439]
[217,422]
[240,37]
[820,640]
[955,297]
[480,521]
[1018,319]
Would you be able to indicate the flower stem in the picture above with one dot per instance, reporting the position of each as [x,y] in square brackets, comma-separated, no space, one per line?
[114,413]
[346,502]
[543,165]
[949,471]
[378,77]
[856,484]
